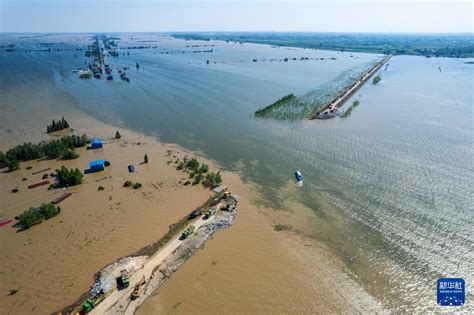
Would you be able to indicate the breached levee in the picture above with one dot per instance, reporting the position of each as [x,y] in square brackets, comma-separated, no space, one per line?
[150,267]
[163,272]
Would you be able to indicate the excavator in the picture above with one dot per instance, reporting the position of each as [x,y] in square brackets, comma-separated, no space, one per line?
[138,289]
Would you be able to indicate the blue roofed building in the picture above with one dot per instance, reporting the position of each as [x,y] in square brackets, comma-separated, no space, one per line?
[96,143]
[97,165]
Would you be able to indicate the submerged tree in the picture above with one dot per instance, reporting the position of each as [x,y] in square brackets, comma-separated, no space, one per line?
[69,177]
[57,125]
[35,216]
[376,79]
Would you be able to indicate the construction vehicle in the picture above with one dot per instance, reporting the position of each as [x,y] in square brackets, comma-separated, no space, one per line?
[187,232]
[124,280]
[209,213]
[194,214]
[92,302]
[138,289]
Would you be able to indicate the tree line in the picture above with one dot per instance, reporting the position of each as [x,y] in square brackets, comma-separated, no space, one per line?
[57,125]
[197,171]
[35,216]
[45,149]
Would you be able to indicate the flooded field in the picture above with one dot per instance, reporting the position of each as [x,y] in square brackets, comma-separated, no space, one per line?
[388,190]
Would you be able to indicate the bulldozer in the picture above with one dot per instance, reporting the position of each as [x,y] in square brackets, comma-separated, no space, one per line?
[138,289]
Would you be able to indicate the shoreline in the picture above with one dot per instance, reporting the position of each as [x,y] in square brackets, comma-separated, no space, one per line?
[119,228]
[266,216]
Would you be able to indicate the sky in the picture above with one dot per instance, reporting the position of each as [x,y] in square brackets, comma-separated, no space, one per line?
[374,16]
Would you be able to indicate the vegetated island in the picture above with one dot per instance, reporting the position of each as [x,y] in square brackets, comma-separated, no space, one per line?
[348,111]
[428,45]
[324,101]
[376,80]
[279,103]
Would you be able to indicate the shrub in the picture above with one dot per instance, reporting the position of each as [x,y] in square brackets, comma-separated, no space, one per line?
[137,185]
[29,167]
[14,190]
[45,176]
[127,184]
[107,163]
[100,188]
[376,79]
[118,135]
[70,155]
[213,179]
[24,178]
[13,291]
[281,227]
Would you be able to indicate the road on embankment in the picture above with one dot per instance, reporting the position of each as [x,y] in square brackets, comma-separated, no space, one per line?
[148,268]
[348,91]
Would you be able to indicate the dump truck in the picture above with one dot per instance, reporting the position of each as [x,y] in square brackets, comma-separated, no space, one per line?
[124,279]
[138,289]
[92,302]
[187,232]
[209,213]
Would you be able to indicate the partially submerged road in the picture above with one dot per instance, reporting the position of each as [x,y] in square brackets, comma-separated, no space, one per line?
[148,268]
[346,93]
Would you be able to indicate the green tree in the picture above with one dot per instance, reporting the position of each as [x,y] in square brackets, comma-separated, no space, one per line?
[69,177]
[118,135]
[376,79]
[145,159]
[35,216]
[70,155]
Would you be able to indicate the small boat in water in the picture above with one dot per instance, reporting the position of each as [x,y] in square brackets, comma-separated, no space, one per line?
[299,178]
[84,74]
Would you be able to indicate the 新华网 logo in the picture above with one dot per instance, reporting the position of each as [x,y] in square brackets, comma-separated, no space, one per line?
[451,291]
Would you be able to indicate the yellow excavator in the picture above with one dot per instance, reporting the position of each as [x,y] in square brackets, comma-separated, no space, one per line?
[138,289]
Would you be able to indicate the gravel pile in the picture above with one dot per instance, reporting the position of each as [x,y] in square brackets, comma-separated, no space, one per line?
[105,279]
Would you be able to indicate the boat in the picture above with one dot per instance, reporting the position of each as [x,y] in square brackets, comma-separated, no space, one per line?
[299,178]
[84,74]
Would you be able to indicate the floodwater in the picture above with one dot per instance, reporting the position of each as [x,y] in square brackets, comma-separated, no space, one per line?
[390,187]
